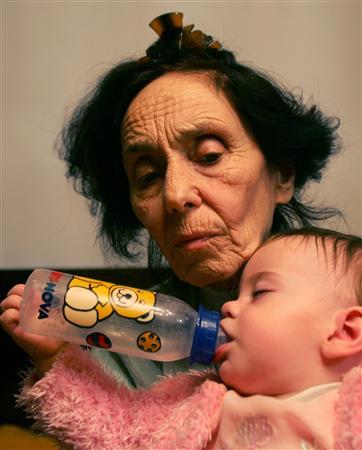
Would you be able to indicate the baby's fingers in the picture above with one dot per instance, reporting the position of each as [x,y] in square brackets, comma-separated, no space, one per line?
[9,320]
[11,302]
[18,289]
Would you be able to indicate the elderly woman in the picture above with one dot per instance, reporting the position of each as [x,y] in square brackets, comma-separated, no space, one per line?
[208,155]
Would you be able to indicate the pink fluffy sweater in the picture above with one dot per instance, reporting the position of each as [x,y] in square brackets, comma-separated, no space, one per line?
[83,407]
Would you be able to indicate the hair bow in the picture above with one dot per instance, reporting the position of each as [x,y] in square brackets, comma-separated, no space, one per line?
[174,37]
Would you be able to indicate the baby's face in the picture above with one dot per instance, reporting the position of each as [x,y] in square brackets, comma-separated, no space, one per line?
[279,320]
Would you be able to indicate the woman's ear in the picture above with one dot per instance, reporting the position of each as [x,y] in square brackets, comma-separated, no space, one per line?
[284,186]
[346,337]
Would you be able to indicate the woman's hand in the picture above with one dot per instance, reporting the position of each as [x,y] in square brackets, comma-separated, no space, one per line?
[42,349]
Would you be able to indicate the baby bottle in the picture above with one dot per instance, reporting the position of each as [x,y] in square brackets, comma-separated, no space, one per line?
[118,318]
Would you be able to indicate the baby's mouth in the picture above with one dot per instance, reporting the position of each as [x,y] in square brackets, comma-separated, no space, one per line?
[220,354]
[222,347]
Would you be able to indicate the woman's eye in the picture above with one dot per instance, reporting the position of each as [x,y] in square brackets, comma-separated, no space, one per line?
[145,172]
[210,158]
[209,150]
[147,179]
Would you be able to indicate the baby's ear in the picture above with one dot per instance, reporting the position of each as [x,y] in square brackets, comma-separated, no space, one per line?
[345,339]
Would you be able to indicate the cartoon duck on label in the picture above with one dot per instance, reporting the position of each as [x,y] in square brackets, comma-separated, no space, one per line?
[89,301]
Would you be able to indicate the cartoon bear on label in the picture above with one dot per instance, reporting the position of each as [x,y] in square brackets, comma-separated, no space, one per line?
[89,301]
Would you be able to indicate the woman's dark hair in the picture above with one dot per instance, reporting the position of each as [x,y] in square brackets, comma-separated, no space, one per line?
[291,135]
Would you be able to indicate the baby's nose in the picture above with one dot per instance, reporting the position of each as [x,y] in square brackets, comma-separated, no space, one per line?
[230,309]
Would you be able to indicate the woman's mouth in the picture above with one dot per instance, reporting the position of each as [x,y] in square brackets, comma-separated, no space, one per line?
[194,242]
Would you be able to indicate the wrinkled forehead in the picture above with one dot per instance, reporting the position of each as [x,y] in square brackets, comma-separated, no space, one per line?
[175,97]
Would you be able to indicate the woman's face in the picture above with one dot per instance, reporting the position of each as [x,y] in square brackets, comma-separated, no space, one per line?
[198,183]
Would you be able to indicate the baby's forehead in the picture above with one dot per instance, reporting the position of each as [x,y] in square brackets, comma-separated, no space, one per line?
[334,261]
[308,249]
[288,245]
[307,244]
[328,256]
[280,258]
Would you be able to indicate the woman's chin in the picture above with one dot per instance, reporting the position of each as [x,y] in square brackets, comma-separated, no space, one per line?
[202,277]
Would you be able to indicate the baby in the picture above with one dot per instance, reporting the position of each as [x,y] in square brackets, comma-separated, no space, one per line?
[293,366]
[295,331]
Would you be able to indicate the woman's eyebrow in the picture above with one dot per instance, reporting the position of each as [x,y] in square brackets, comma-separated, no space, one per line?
[209,126]
[138,147]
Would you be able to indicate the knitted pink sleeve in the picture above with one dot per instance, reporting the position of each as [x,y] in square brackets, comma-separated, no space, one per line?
[82,406]
[348,421]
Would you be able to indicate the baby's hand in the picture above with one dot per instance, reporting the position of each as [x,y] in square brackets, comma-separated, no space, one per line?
[42,349]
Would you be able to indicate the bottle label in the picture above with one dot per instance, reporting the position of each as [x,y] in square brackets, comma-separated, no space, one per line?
[87,302]
[48,294]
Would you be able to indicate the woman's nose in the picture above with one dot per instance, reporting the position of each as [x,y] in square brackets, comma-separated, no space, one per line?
[230,309]
[181,192]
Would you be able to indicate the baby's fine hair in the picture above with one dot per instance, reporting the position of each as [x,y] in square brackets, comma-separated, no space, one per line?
[346,250]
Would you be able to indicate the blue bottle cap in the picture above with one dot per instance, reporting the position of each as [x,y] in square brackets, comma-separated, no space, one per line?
[205,336]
